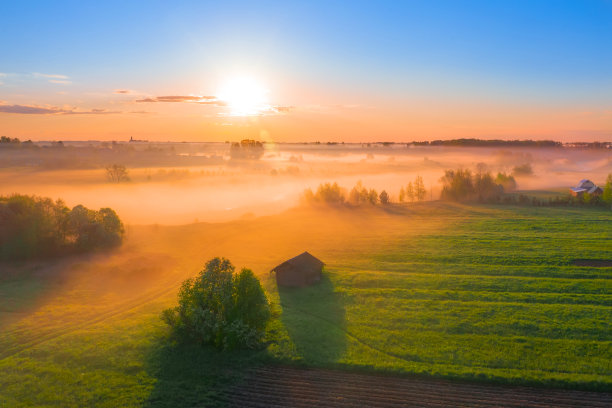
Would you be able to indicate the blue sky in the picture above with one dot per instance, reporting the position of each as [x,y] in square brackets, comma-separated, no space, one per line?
[540,53]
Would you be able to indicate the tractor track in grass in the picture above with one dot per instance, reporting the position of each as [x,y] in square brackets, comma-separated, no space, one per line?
[53,333]
[275,386]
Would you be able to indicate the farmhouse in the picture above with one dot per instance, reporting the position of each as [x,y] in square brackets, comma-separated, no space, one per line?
[303,270]
[585,186]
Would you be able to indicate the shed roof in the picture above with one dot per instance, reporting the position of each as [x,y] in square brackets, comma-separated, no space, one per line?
[305,259]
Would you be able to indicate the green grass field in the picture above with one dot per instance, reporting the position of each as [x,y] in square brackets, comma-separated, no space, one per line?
[466,292]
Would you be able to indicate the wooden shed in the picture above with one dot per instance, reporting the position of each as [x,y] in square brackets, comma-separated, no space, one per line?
[302,270]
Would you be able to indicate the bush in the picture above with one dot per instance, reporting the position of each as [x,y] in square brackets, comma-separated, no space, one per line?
[220,308]
[523,170]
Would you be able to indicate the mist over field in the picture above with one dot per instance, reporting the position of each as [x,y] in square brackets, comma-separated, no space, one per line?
[179,183]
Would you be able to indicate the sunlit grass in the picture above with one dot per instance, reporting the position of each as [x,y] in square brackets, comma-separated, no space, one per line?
[484,293]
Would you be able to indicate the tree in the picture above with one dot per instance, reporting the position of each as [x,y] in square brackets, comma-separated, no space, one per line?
[359,195]
[327,193]
[220,308]
[506,181]
[607,192]
[384,197]
[117,173]
[457,185]
[35,227]
[247,149]
[419,188]
[402,195]
[372,197]
[410,192]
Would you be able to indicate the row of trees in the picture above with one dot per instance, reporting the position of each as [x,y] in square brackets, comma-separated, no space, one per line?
[333,194]
[413,192]
[7,142]
[463,185]
[35,227]
[247,149]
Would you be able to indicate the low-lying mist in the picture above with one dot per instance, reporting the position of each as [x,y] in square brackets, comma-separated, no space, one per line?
[228,189]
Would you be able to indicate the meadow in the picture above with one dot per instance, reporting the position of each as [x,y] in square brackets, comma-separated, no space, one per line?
[485,293]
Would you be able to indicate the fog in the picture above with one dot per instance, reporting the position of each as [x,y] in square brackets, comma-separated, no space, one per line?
[200,182]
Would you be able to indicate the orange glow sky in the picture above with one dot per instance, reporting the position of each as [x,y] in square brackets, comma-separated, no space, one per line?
[314,72]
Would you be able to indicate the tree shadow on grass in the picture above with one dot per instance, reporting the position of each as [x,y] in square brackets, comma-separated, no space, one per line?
[189,375]
[315,319]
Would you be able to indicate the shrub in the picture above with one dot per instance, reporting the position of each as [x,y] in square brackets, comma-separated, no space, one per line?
[220,308]
[522,170]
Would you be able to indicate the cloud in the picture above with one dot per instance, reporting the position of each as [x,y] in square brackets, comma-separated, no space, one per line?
[51,110]
[28,110]
[53,76]
[204,100]
[282,109]
[124,91]
[60,81]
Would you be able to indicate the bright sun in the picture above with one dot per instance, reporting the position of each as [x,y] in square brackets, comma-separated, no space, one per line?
[244,96]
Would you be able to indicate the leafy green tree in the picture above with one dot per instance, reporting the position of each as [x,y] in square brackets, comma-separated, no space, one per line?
[220,308]
[34,227]
[506,181]
[457,185]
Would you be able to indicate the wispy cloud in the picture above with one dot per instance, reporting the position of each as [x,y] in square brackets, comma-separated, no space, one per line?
[51,110]
[60,81]
[54,76]
[282,109]
[205,100]
[124,92]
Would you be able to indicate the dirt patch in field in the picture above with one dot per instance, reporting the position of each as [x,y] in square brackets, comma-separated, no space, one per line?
[596,263]
[292,387]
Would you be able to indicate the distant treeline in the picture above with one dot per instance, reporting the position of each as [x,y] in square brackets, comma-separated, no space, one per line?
[489,143]
[58,155]
[37,227]
[464,186]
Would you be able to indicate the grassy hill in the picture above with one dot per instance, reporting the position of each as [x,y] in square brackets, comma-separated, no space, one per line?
[454,291]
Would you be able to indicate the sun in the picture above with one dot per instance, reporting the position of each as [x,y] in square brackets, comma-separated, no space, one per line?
[244,96]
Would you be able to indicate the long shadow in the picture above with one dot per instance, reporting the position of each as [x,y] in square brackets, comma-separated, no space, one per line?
[190,375]
[315,318]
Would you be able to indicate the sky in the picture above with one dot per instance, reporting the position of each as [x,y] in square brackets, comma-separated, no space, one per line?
[306,71]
